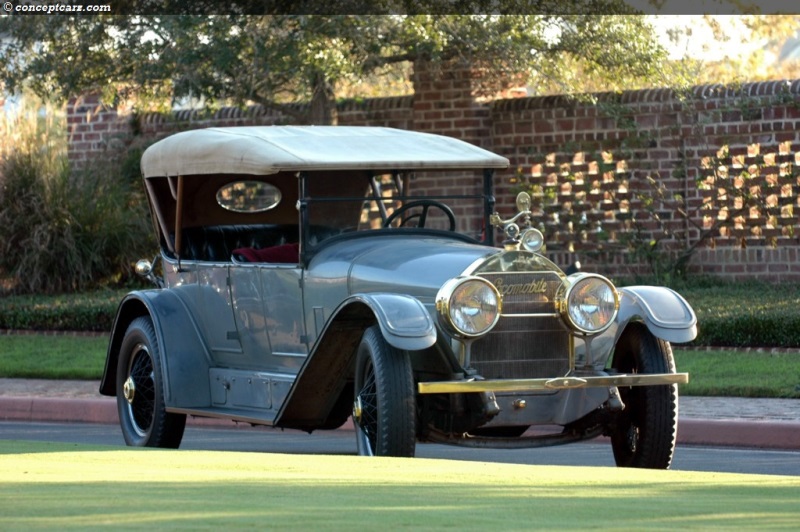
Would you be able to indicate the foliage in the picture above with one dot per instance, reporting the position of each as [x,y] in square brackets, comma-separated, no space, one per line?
[740,314]
[752,314]
[750,47]
[65,229]
[88,311]
[269,60]
[33,130]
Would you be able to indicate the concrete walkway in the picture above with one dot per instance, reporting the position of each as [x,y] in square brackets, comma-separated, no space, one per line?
[726,421]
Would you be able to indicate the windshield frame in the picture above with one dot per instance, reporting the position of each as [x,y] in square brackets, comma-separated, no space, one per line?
[401,178]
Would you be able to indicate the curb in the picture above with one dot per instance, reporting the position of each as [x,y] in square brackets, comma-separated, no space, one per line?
[783,435]
[691,431]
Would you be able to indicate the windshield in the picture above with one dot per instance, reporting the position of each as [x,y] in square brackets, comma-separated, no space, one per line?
[451,201]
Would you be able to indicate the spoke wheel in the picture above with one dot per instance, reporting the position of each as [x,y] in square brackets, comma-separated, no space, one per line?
[644,433]
[384,405]
[140,391]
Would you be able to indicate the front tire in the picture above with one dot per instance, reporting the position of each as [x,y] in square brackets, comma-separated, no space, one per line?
[140,391]
[384,408]
[645,432]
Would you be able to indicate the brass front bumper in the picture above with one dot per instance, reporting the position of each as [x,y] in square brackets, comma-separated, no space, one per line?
[558,383]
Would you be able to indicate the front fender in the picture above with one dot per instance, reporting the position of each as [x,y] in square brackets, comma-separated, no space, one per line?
[405,322]
[665,312]
[319,393]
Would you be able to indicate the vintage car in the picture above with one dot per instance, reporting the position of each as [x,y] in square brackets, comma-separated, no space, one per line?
[301,283]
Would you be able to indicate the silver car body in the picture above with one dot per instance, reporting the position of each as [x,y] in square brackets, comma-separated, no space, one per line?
[274,343]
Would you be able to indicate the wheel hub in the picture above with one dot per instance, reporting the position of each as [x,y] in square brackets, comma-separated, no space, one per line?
[357,410]
[129,390]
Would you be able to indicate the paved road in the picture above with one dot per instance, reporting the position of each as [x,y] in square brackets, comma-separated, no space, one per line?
[596,453]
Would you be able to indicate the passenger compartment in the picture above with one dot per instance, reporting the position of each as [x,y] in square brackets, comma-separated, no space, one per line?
[217,243]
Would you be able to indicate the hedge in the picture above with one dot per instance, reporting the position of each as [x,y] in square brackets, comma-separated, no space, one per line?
[93,311]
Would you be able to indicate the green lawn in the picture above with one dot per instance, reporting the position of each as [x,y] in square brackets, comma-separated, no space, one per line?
[740,374]
[715,373]
[52,357]
[74,487]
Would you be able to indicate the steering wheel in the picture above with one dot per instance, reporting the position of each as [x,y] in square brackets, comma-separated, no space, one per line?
[422,216]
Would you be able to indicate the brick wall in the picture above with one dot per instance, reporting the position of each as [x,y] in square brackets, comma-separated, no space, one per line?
[387,112]
[597,158]
[94,128]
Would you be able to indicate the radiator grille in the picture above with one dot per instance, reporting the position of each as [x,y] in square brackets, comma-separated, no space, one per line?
[523,346]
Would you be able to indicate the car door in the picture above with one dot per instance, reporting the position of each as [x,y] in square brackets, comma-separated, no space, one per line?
[268,308]
[217,314]
[285,319]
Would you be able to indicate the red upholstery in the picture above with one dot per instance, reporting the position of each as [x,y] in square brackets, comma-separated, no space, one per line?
[285,254]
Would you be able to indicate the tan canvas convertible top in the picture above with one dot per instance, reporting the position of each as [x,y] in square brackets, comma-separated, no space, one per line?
[264,150]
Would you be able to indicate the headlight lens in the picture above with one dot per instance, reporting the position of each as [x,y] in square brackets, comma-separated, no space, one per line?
[468,306]
[590,304]
[532,239]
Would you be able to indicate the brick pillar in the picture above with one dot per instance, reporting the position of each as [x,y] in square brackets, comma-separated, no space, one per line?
[93,128]
[446,103]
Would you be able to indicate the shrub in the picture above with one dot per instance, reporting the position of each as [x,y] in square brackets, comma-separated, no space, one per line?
[65,229]
[745,314]
[90,311]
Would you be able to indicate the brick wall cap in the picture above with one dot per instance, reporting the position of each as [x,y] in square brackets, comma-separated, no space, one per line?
[654,95]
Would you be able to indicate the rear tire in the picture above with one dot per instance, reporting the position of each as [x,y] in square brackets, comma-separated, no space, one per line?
[645,432]
[384,407]
[140,391]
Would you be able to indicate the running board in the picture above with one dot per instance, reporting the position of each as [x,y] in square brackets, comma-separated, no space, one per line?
[241,415]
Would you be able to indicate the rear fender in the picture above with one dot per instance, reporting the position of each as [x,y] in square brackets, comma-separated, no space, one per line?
[185,360]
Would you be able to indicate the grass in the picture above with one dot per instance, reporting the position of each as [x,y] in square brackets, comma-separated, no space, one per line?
[36,356]
[68,486]
[740,374]
[711,373]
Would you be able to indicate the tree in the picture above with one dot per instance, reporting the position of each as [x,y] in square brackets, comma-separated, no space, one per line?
[277,59]
[746,48]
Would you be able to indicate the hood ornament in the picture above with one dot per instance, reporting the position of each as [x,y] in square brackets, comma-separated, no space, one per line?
[526,237]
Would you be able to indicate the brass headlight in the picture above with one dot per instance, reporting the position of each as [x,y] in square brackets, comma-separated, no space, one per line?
[589,304]
[468,306]
[532,239]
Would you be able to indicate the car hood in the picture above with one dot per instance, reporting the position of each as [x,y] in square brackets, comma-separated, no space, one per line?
[415,265]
